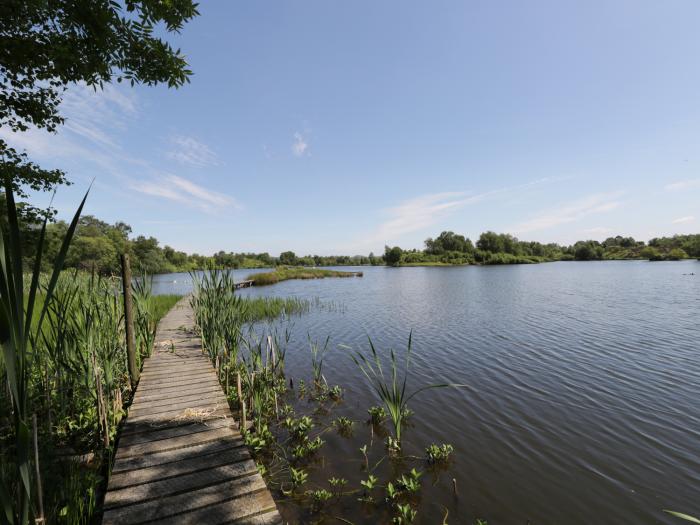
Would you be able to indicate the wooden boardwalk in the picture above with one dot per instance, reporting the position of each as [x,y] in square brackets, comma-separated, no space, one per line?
[180,457]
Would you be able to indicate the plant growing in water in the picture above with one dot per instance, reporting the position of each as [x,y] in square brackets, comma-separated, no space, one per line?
[437,454]
[391,389]
[318,352]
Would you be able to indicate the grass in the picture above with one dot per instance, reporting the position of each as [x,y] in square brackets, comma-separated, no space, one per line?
[269,308]
[285,273]
[161,304]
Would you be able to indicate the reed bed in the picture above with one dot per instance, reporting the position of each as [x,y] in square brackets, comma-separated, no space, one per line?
[77,386]
[65,380]
[284,273]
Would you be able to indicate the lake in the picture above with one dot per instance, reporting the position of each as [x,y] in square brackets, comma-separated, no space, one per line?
[581,401]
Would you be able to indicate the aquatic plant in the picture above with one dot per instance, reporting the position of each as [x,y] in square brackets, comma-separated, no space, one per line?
[436,454]
[343,424]
[377,414]
[682,516]
[318,498]
[404,514]
[392,389]
[318,353]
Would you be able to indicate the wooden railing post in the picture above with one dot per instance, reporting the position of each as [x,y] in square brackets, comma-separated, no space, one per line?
[129,321]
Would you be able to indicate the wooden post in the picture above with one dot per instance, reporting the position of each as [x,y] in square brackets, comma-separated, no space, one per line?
[129,321]
[240,398]
[40,495]
[271,344]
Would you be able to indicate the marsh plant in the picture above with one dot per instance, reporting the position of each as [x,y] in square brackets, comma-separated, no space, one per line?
[63,361]
[391,389]
[318,353]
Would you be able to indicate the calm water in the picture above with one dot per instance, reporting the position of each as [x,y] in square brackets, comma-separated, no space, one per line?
[582,402]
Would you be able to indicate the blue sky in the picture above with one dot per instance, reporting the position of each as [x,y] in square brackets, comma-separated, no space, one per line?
[338,127]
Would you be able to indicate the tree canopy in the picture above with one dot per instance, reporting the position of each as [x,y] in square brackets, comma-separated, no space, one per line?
[45,46]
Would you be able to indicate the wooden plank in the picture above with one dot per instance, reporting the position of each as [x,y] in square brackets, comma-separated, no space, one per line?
[180,504]
[152,459]
[180,457]
[240,510]
[176,442]
[211,398]
[188,465]
[158,434]
[188,482]
[150,426]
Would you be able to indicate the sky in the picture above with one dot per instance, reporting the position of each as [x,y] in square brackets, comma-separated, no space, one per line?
[330,127]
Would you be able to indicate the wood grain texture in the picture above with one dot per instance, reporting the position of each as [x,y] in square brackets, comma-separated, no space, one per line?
[180,456]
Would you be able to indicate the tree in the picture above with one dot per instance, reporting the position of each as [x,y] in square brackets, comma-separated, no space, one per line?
[650,253]
[288,258]
[677,254]
[47,46]
[392,256]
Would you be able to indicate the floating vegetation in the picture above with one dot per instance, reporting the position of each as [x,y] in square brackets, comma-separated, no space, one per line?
[437,454]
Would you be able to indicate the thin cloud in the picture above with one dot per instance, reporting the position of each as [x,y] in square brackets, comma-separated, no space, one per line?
[301,145]
[600,230]
[572,212]
[187,150]
[683,220]
[683,185]
[420,213]
[179,189]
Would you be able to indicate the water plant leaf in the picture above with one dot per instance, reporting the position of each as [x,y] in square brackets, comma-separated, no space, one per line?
[682,516]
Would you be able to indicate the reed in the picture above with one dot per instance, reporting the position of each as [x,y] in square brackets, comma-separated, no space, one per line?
[391,389]
[63,360]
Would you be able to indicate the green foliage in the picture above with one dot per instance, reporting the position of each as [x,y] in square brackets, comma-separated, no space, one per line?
[404,514]
[298,476]
[318,353]
[437,454]
[285,273]
[390,389]
[318,498]
[369,483]
[377,414]
[48,46]
[344,425]
[392,256]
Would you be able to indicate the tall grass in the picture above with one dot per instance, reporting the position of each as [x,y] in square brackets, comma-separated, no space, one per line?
[64,360]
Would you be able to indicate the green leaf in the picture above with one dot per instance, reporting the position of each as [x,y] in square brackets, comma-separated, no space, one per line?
[682,516]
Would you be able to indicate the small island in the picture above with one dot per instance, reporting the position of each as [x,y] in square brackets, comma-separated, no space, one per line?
[284,273]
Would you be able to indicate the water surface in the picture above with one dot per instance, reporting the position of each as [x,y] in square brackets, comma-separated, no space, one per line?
[582,397]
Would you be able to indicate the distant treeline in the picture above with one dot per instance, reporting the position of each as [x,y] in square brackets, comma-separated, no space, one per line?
[503,248]
[97,246]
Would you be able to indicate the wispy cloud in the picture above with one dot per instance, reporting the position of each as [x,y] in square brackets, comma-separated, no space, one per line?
[422,212]
[179,189]
[683,185]
[574,211]
[301,145]
[683,220]
[187,150]
[600,230]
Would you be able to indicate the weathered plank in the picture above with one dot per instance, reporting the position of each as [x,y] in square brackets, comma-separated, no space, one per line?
[180,456]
